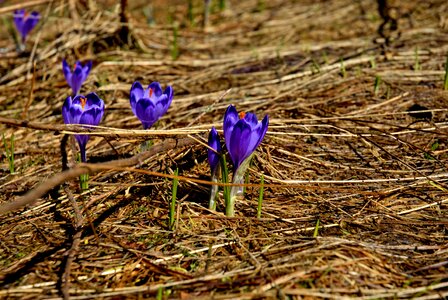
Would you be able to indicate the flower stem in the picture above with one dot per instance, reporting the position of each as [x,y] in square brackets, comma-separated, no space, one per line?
[237,191]
[83,178]
[225,179]
[83,154]
[84,182]
[213,190]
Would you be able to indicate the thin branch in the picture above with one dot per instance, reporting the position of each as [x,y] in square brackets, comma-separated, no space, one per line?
[33,195]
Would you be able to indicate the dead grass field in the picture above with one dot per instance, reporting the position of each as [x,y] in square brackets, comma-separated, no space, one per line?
[355,203]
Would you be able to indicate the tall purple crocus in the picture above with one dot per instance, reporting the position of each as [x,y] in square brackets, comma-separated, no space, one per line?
[25,22]
[79,75]
[242,133]
[150,104]
[86,110]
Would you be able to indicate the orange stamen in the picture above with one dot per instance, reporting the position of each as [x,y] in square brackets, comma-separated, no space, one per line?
[242,114]
[150,92]
[83,102]
[74,66]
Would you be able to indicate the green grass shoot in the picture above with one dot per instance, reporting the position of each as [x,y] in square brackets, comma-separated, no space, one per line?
[372,62]
[222,5]
[261,5]
[417,66]
[316,229]
[159,293]
[260,197]
[190,14]
[9,152]
[315,66]
[225,179]
[173,200]
[376,85]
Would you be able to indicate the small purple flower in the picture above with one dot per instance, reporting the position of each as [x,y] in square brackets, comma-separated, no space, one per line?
[78,76]
[25,22]
[150,104]
[214,143]
[87,110]
[242,133]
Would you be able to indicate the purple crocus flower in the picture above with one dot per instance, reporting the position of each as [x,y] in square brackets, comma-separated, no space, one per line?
[87,110]
[78,76]
[242,133]
[25,22]
[150,104]
[214,143]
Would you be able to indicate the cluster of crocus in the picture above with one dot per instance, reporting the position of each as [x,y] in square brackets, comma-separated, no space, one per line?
[76,78]
[150,104]
[242,134]
[24,23]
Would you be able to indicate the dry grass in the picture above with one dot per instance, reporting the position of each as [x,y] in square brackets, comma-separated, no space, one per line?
[337,152]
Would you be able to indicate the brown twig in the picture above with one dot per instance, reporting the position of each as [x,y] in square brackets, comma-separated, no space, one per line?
[23,4]
[74,128]
[75,244]
[60,178]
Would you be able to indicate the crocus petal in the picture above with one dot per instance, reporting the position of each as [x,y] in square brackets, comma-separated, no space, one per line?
[169,93]
[29,22]
[262,131]
[251,119]
[161,106]
[257,135]
[94,100]
[18,19]
[230,118]
[67,72]
[90,116]
[77,77]
[66,110]
[86,69]
[145,111]
[75,113]
[238,143]
[214,143]
[137,93]
[156,90]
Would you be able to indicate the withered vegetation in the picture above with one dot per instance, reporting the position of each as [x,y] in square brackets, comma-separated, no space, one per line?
[354,161]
